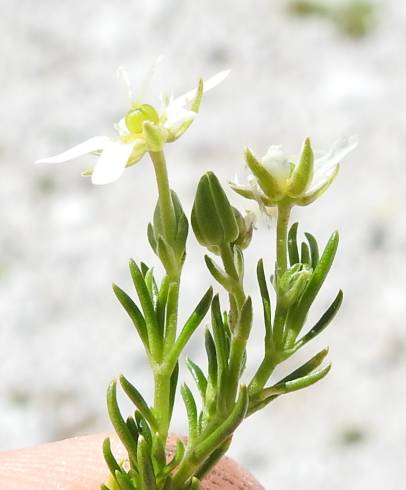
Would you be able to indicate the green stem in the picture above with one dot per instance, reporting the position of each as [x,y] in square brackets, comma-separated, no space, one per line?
[165,198]
[162,402]
[282,238]
[162,375]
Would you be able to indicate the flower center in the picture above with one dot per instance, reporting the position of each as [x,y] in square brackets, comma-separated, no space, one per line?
[135,118]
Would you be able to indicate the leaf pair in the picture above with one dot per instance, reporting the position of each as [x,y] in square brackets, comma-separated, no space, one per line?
[156,324]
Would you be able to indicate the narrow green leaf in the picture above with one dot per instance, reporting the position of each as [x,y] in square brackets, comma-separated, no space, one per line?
[266,301]
[191,411]
[228,282]
[195,484]
[211,358]
[297,315]
[297,383]
[267,395]
[160,308]
[143,427]
[177,457]
[135,396]
[133,428]
[171,315]
[145,467]
[305,254]
[144,269]
[190,326]
[134,313]
[168,483]
[154,338]
[118,422]
[324,321]
[151,286]
[239,261]
[124,481]
[292,244]
[109,458]
[314,249]
[213,459]
[173,385]
[225,429]
[219,335]
[198,376]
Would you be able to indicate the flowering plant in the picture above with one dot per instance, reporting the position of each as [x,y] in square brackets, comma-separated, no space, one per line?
[300,271]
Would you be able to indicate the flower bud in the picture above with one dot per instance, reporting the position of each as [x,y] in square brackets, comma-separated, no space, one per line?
[292,284]
[213,219]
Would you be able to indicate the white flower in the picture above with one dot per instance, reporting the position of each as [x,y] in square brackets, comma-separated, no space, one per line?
[274,172]
[142,129]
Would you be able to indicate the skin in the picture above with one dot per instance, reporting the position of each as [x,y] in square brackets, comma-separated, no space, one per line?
[77,464]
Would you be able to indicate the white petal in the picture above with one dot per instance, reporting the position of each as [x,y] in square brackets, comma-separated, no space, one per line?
[111,163]
[320,179]
[336,153]
[276,163]
[88,146]
[207,85]
[176,116]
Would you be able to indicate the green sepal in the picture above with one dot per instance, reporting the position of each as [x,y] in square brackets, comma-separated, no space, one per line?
[303,171]
[191,411]
[266,181]
[135,396]
[324,321]
[292,245]
[213,219]
[167,256]
[153,136]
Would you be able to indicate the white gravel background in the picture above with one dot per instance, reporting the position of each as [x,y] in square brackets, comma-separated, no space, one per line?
[63,241]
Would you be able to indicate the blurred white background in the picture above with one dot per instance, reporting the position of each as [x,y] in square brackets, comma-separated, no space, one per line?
[63,336]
